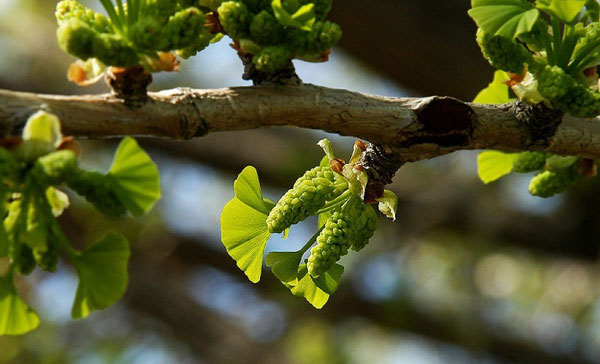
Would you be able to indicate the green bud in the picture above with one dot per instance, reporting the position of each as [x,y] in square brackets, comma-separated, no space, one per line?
[71,9]
[113,50]
[554,83]
[77,38]
[272,58]
[529,162]
[265,29]
[183,29]
[549,183]
[235,19]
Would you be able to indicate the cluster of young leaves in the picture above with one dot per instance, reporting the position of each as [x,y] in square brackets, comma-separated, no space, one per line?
[554,174]
[31,173]
[276,31]
[152,33]
[551,62]
[148,33]
[345,221]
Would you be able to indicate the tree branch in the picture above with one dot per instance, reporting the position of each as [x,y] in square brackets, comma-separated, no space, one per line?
[411,129]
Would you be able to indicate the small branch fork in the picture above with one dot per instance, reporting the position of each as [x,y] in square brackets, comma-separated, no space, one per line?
[401,129]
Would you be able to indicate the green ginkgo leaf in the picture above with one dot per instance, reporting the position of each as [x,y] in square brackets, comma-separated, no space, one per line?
[102,271]
[497,91]
[135,178]
[284,265]
[508,18]
[16,318]
[492,165]
[303,17]
[315,293]
[565,10]
[244,230]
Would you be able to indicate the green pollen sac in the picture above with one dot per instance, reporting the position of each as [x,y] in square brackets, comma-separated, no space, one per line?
[309,194]
[527,162]
[265,29]
[580,101]
[272,58]
[97,190]
[335,239]
[113,50]
[549,183]
[364,228]
[201,42]
[235,19]
[77,38]
[55,168]
[502,53]
[71,9]
[146,34]
[320,39]
[554,83]
[183,29]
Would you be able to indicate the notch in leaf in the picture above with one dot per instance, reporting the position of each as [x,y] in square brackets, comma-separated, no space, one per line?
[102,270]
[244,230]
[508,18]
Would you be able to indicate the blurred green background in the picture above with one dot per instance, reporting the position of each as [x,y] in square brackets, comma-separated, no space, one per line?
[468,274]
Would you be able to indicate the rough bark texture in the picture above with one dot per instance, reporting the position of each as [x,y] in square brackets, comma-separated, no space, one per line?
[403,129]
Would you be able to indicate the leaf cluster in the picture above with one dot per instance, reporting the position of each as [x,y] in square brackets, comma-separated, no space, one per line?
[31,175]
[552,61]
[245,230]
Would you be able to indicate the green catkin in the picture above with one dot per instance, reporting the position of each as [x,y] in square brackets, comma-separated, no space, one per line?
[364,228]
[54,168]
[527,162]
[309,194]
[183,29]
[77,38]
[580,101]
[71,9]
[336,237]
[320,39]
[272,58]
[502,53]
[235,19]
[265,29]
[554,82]
[549,183]
[113,50]
[97,190]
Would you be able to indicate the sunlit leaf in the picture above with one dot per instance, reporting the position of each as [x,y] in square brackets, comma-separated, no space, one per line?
[308,288]
[565,10]
[492,165]
[244,230]
[303,17]
[284,265]
[508,18]
[102,271]
[135,178]
[330,281]
[497,91]
[16,318]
